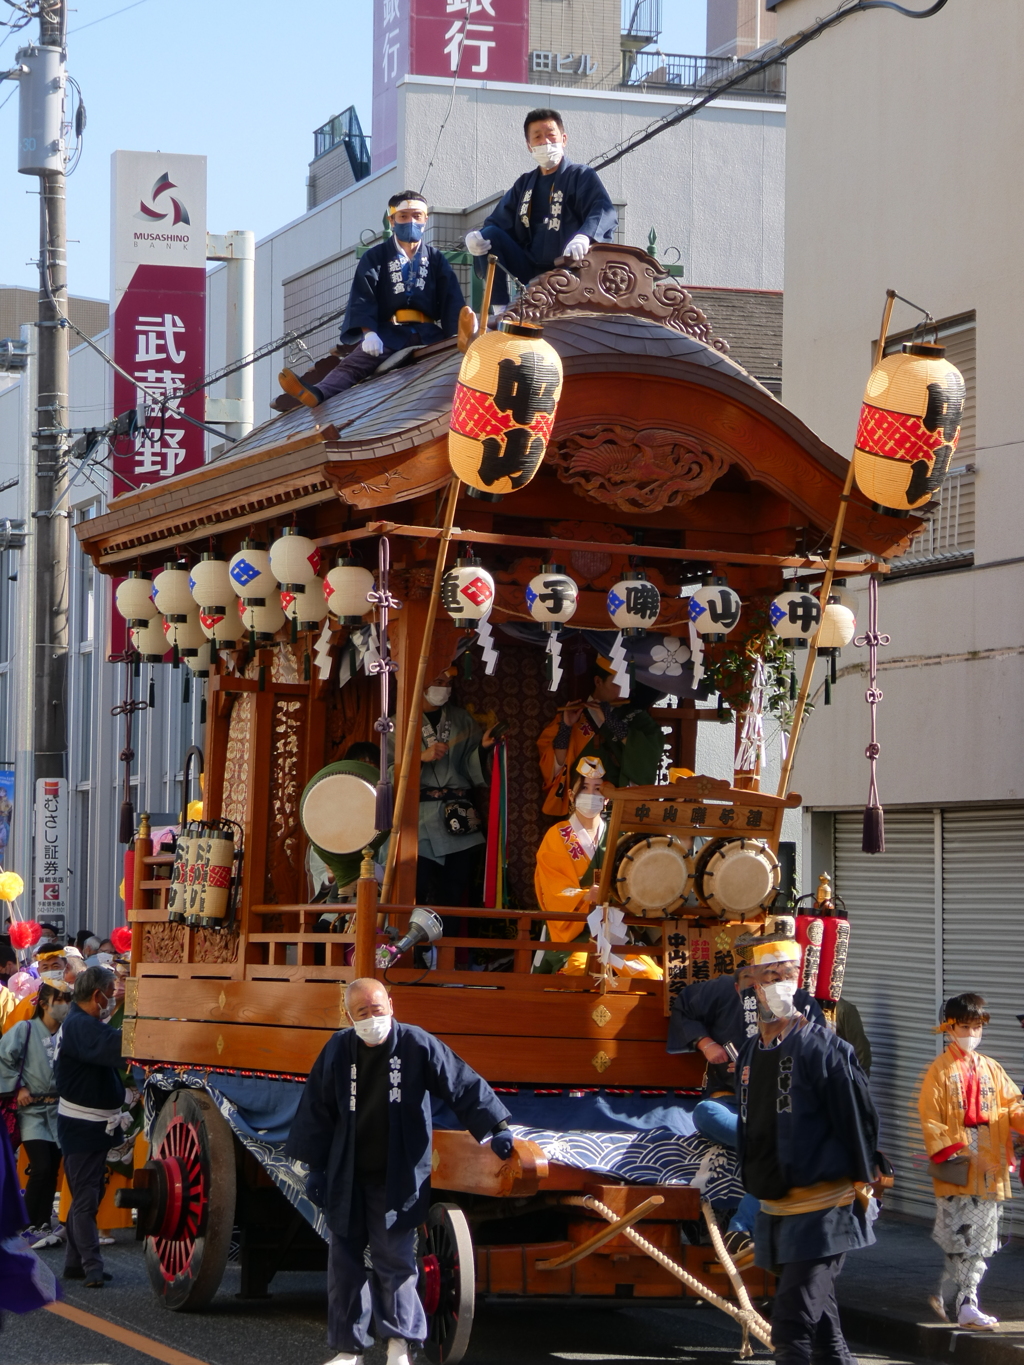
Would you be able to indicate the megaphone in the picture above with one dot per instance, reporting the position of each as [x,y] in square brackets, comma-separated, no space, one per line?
[424,927]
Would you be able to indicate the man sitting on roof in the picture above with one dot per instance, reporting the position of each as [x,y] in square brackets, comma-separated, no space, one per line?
[557,209]
[404,294]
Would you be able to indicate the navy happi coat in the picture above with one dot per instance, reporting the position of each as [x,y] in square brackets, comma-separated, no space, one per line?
[378,290]
[421,1067]
[579,204]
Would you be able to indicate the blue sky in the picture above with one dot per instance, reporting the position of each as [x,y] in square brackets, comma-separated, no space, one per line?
[243,82]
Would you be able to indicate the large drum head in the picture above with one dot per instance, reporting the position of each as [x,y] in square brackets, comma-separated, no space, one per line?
[337,812]
[737,876]
[652,875]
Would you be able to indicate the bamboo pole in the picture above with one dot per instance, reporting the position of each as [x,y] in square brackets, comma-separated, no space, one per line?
[826,582]
[413,725]
[485,305]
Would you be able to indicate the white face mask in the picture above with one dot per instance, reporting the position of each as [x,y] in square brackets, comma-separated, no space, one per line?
[437,696]
[374,1030]
[779,995]
[969,1042]
[548,154]
[108,1011]
[589,803]
[59,1011]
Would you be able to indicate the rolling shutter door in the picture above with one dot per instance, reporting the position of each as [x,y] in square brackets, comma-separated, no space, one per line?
[983,915]
[891,978]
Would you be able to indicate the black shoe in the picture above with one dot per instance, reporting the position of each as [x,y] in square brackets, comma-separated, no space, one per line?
[97,1281]
[73,1273]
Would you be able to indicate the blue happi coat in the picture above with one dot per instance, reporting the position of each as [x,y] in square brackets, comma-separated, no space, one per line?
[378,291]
[421,1067]
[579,204]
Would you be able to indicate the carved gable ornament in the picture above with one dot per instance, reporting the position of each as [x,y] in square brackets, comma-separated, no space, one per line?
[615,279]
[635,470]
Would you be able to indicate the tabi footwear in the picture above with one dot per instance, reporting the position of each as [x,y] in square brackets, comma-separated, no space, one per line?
[398,1351]
[345,1358]
[975,1320]
[291,383]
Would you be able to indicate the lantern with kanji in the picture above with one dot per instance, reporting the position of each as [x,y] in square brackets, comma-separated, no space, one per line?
[210,583]
[794,617]
[552,596]
[306,606]
[908,429]
[504,408]
[250,572]
[346,587]
[634,603]
[467,592]
[714,610]
[171,594]
[294,559]
[134,598]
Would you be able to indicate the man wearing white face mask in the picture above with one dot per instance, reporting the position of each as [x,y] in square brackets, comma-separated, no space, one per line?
[557,209]
[807,1140]
[364,1128]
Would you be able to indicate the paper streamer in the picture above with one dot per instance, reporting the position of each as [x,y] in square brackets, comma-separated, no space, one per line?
[697,653]
[486,639]
[554,660]
[619,663]
[322,654]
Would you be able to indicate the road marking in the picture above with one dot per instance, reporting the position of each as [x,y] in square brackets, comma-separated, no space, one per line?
[146,1345]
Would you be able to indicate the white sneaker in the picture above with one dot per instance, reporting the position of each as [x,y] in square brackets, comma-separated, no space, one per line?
[345,1358]
[973,1318]
[398,1351]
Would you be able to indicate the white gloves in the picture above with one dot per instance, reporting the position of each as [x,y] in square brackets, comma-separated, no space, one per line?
[577,247]
[372,344]
[477,244]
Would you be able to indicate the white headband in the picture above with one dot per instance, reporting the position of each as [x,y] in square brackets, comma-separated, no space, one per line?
[412,204]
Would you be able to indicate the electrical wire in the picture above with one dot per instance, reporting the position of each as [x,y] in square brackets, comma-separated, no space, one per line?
[451,99]
[104,17]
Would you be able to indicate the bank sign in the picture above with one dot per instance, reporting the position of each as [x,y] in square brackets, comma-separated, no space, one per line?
[158,293]
[51,853]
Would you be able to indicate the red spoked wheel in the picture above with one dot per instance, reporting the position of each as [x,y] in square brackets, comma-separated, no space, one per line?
[192,1180]
[447,1283]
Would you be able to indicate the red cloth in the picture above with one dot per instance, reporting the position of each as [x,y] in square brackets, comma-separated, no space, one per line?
[949,1151]
[974,1111]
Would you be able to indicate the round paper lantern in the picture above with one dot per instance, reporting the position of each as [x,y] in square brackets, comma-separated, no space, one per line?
[11,886]
[552,596]
[250,572]
[504,408]
[185,633]
[150,641]
[200,661]
[210,583]
[794,617]
[134,598]
[837,627]
[262,619]
[908,429]
[306,606]
[714,610]
[121,938]
[294,559]
[345,588]
[171,593]
[221,626]
[634,603]
[467,592]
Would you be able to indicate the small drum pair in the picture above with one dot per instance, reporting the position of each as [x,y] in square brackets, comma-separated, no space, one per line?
[732,877]
[338,807]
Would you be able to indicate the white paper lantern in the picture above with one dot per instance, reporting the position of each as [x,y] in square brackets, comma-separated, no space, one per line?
[306,606]
[634,603]
[171,593]
[262,619]
[202,661]
[345,588]
[467,591]
[250,572]
[222,626]
[794,617]
[552,596]
[838,626]
[715,610]
[210,583]
[294,559]
[185,633]
[150,641]
[134,598]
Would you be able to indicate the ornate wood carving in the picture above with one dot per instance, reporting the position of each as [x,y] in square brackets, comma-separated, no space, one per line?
[615,279]
[283,861]
[163,943]
[634,470]
[238,760]
[213,947]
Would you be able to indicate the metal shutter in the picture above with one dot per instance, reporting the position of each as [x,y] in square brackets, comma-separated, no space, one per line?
[891,977]
[983,910]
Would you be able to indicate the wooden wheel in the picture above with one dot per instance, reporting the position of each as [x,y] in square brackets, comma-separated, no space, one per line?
[192,1176]
[447,1283]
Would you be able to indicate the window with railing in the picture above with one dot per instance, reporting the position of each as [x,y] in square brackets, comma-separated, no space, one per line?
[641,21]
[344,129]
[685,71]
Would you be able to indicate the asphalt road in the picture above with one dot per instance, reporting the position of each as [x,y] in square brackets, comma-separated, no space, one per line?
[289,1328]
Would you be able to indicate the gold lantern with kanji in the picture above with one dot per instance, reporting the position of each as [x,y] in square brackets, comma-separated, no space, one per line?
[909,426]
[504,408]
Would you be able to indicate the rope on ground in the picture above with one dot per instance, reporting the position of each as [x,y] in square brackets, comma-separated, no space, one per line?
[749,1319]
[735,1278]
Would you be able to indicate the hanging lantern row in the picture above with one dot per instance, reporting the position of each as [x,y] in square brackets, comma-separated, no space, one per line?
[714,609]
[552,597]
[838,626]
[794,617]
[634,603]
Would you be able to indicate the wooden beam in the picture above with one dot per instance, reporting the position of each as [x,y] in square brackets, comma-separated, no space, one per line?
[600,1238]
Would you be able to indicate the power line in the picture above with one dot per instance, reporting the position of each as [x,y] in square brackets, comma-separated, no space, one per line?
[104,17]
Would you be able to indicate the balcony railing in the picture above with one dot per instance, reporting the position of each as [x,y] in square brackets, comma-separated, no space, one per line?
[345,128]
[641,22]
[680,71]
[947,538]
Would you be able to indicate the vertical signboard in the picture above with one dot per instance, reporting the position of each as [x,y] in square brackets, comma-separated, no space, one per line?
[478,40]
[158,294]
[51,853]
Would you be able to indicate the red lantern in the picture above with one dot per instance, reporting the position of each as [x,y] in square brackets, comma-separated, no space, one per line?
[504,408]
[908,430]
[121,938]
